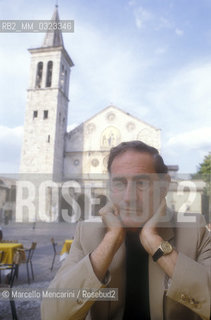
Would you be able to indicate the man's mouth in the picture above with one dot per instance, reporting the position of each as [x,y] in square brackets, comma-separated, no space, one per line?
[132,221]
[133,215]
[131,211]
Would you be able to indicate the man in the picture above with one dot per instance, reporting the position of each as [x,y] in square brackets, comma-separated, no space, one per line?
[159,265]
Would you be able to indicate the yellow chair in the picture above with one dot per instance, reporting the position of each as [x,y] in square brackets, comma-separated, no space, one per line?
[28,258]
[1,256]
[1,259]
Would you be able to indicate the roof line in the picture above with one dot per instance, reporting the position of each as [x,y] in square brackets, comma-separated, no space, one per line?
[112,106]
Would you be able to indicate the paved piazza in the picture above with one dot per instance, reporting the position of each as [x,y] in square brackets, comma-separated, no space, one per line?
[42,259]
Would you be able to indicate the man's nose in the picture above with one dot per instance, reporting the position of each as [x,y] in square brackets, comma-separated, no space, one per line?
[130,192]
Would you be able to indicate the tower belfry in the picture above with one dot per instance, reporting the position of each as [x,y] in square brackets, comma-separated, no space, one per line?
[47,107]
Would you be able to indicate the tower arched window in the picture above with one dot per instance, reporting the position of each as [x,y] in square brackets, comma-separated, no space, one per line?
[39,74]
[49,73]
[62,79]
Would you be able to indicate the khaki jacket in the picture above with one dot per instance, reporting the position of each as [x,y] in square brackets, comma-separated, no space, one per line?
[185,296]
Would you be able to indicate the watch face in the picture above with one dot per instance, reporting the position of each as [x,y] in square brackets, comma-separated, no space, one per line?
[166,247]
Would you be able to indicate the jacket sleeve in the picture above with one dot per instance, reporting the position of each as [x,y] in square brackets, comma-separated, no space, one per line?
[75,274]
[190,284]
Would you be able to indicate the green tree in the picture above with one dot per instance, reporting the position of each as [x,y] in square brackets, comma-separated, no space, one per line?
[204,169]
[204,173]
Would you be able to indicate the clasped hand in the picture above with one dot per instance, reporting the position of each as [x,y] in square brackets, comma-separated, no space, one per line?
[148,233]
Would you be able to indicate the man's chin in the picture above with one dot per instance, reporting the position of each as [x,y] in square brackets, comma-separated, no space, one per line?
[130,223]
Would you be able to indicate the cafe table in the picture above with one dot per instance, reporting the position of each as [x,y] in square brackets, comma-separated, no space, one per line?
[9,249]
[65,249]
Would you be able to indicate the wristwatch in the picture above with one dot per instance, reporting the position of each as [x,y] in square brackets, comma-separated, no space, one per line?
[164,249]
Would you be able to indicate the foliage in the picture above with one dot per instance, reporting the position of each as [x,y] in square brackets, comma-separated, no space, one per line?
[204,170]
[204,173]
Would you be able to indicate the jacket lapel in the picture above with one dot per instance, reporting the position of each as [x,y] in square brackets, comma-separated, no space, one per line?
[157,278]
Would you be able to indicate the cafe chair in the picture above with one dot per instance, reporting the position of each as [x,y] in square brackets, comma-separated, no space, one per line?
[1,256]
[10,280]
[55,252]
[28,259]
[1,261]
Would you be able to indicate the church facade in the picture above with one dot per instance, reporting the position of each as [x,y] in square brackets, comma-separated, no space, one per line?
[87,146]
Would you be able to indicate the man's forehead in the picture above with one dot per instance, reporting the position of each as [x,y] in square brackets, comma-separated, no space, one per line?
[133,162]
[141,176]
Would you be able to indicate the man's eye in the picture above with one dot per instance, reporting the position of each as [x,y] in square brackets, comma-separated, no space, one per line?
[117,185]
[142,184]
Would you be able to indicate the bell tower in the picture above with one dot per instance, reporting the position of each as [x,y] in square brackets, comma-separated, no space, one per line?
[47,107]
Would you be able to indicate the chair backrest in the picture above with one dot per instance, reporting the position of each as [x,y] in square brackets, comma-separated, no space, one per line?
[13,272]
[31,250]
[33,246]
[1,256]
[12,268]
[18,257]
[54,244]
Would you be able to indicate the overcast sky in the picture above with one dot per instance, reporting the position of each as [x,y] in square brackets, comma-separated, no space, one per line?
[151,58]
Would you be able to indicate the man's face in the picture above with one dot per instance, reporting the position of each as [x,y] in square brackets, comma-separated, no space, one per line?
[132,181]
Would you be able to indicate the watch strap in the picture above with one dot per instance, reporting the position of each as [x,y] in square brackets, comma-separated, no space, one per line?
[158,254]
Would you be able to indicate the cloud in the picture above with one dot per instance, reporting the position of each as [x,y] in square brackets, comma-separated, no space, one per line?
[153,20]
[182,105]
[142,16]
[10,142]
[184,95]
[195,139]
[149,18]
[13,134]
[14,79]
[105,74]
[188,149]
